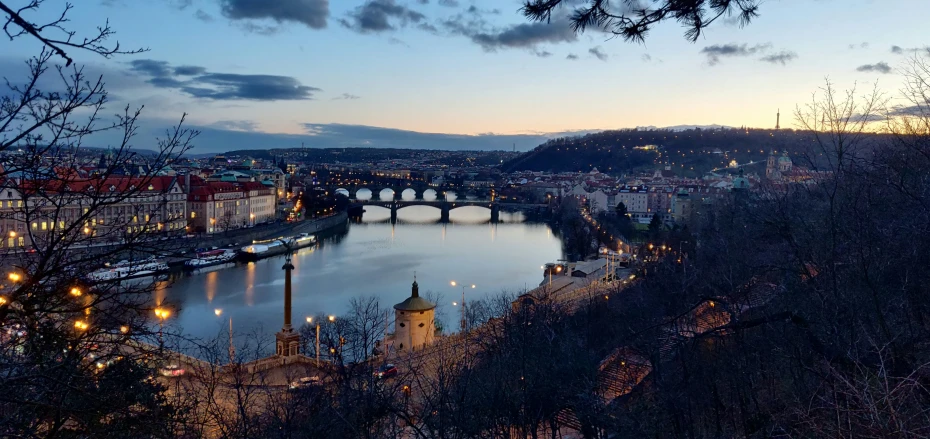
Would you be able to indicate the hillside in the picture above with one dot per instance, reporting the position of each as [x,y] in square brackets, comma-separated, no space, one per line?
[690,152]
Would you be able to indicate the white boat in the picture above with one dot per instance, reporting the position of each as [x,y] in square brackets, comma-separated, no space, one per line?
[212,257]
[127,270]
[272,247]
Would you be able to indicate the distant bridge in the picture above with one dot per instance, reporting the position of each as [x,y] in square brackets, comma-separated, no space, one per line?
[446,206]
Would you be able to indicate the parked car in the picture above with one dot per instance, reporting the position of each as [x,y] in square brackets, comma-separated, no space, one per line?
[386,371]
[172,370]
[305,382]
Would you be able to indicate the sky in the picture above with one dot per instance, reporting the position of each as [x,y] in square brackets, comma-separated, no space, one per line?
[467,74]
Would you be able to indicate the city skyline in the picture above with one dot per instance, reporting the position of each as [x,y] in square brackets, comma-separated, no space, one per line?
[458,73]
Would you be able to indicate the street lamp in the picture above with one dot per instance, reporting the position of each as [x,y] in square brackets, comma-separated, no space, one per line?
[162,314]
[453,283]
[15,277]
[218,312]
[76,292]
[310,322]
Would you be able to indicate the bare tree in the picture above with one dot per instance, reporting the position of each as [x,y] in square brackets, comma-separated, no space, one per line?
[632,20]
[54,33]
[77,350]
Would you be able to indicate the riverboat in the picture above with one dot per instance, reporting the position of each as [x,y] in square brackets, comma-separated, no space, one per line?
[128,270]
[277,246]
[211,257]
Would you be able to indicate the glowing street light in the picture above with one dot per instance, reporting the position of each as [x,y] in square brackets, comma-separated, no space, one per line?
[81,325]
[332,318]
[76,292]
[162,313]
[15,277]
[3,301]
[309,319]
[218,312]
[124,329]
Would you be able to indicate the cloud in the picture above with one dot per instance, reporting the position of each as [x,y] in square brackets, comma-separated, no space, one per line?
[597,52]
[879,67]
[449,3]
[542,53]
[195,81]
[914,110]
[862,45]
[247,126]
[782,57]
[203,16]
[717,51]
[898,50]
[523,35]
[571,56]
[312,13]
[380,16]
[189,70]
[346,96]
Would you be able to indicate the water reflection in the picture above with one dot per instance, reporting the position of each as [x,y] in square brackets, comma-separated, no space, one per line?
[371,258]
[211,285]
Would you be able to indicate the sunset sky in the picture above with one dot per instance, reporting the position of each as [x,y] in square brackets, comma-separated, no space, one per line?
[259,73]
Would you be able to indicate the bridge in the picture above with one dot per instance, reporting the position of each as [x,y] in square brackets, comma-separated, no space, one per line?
[444,206]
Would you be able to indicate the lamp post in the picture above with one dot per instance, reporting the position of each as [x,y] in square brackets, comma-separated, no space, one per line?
[310,321]
[464,321]
[681,257]
[162,314]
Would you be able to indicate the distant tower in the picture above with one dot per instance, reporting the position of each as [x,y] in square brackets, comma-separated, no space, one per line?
[778,119]
[414,321]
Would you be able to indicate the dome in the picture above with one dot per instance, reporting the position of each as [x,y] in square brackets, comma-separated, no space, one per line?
[415,302]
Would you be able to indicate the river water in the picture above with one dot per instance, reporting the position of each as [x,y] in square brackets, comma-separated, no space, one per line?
[371,258]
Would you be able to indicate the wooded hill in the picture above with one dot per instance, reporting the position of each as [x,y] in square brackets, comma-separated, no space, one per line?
[689,153]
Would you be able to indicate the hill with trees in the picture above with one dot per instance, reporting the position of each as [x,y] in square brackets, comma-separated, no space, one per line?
[689,152]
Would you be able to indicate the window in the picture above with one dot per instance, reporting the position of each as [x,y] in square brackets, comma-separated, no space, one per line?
[22,241]
[35,226]
[421,325]
[403,325]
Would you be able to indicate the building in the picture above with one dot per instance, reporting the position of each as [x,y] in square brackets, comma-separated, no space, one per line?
[105,208]
[414,321]
[261,202]
[636,200]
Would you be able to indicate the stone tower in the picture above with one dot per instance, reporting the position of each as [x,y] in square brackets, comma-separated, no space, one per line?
[414,321]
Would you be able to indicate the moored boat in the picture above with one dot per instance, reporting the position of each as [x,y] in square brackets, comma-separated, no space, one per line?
[211,257]
[277,246]
[128,270]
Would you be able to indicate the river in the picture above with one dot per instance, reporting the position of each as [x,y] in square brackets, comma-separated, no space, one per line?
[371,258]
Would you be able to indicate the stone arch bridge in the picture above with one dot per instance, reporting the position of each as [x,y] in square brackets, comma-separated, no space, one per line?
[444,206]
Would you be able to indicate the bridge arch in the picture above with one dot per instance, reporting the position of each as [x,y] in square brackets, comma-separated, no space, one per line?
[364,194]
[386,194]
[408,194]
[342,191]
[430,195]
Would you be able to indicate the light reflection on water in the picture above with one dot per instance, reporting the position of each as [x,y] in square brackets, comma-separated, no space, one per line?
[374,258]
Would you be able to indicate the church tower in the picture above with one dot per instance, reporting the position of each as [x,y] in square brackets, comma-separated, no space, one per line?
[414,321]
[778,119]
